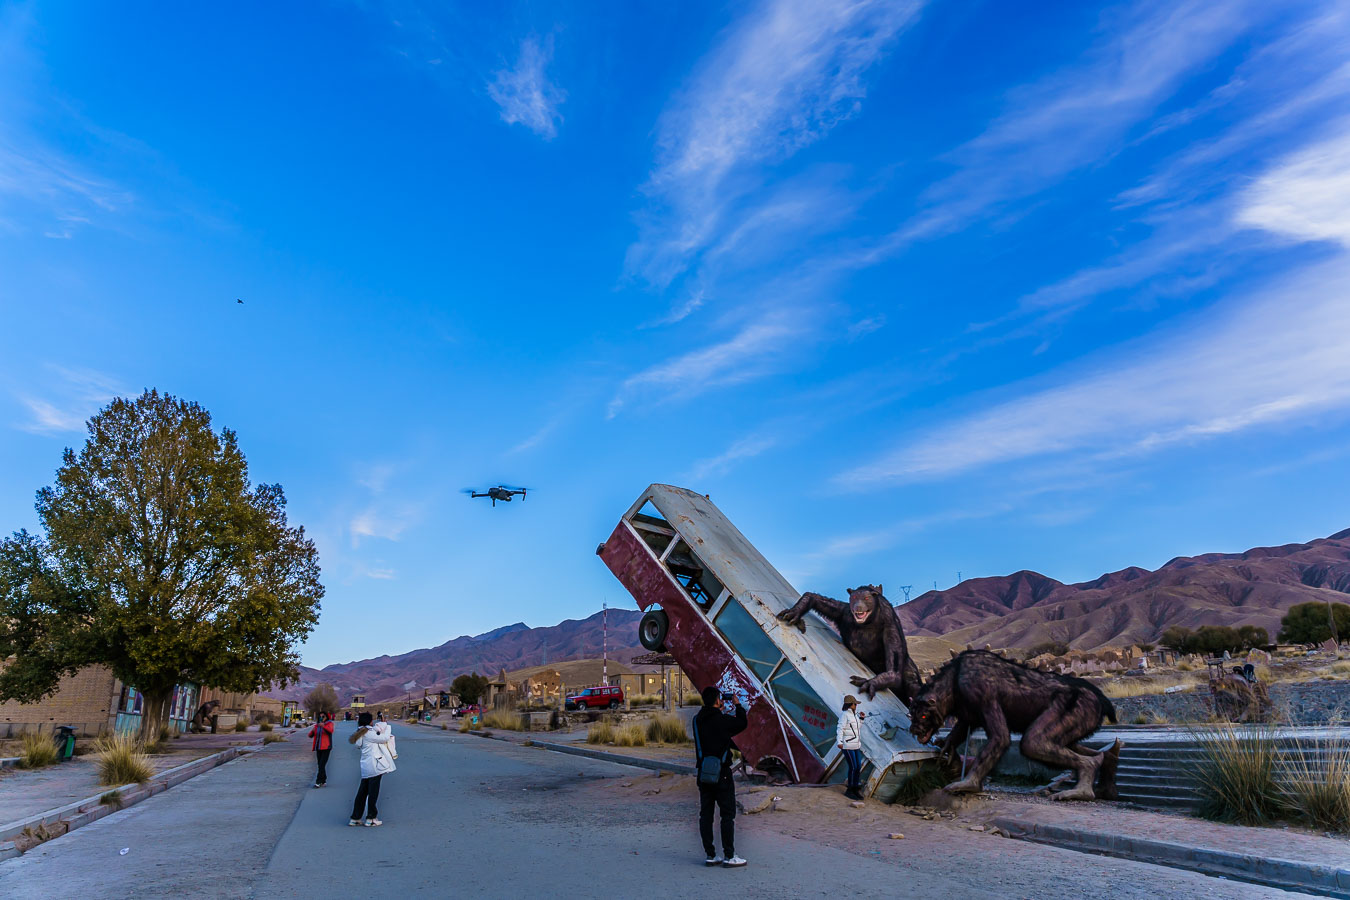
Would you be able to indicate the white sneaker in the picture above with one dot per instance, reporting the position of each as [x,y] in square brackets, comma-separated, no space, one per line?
[734,863]
[371,823]
[714,860]
[351,822]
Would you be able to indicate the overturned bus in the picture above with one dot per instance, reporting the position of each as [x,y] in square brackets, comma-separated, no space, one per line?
[711,599]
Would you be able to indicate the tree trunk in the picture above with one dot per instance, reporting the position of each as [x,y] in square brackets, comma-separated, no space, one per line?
[153,706]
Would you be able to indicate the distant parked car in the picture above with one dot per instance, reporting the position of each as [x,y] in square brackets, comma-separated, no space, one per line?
[596,698]
[472,709]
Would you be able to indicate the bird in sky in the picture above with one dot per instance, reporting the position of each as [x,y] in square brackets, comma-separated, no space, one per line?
[237,300]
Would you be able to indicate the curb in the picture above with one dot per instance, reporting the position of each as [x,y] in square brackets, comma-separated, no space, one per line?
[635,761]
[84,812]
[1314,878]
[9,762]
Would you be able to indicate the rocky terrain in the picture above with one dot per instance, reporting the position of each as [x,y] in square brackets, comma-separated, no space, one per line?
[1135,605]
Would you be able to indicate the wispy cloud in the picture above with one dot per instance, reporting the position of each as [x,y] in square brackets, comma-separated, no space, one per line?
[1282,356]
[781,79]
[525,93]
[746,448]
[752,352]
[71,398]
[1078,117]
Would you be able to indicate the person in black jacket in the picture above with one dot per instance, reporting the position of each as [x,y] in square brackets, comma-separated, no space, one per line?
[720,719]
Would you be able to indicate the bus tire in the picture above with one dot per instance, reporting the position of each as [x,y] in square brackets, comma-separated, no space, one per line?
[652,630]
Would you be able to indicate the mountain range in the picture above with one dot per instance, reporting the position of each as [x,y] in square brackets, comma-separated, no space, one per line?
[1136,605]
[1131,606]
[509,647]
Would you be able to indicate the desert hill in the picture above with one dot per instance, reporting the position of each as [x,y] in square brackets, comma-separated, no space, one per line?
[510,647]
[1135,605]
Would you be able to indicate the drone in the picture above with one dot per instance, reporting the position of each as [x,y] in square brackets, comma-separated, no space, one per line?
[500,492]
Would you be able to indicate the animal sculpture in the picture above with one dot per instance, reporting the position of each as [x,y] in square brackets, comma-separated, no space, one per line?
[869,627]
[1054,713]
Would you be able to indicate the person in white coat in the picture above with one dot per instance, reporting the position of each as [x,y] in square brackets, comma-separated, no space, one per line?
[850,741]
[376,762]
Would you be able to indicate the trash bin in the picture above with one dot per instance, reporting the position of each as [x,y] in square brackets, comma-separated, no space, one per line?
[65,743]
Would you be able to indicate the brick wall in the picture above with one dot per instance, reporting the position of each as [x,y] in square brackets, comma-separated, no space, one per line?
[86,700]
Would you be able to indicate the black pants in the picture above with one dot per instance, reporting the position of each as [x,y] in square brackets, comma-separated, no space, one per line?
[366,795]
[855,764]
[723,794]
[322,777]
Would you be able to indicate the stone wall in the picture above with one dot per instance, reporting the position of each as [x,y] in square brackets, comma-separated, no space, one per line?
[1309,703]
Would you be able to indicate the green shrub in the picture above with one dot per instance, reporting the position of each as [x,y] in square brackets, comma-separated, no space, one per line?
[601,733]
[36,750]
[930,775]
[240,726]
[112,798]
[121,761]
[631,736]
[265,726]
[667,729]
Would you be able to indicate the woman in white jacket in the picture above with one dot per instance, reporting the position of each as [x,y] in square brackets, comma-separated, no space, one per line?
[376,762]
[850,741]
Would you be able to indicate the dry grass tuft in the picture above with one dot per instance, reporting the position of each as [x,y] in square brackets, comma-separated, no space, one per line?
[601,732]
[506,721]
[667,729]
[121,761]
[36,750]
[1319,794]
[1236,774]
[465,724]
[1143,685]
[631,736]
[273,738]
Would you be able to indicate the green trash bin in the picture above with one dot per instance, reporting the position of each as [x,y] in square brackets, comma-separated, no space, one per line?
[65,743]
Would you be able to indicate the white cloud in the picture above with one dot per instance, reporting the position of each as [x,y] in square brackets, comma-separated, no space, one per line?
[72,397]
[752,352]
[1077,117]
[781,79]
[743,449]
[1307,197]
[374,523]
[1283,356]
[525,94]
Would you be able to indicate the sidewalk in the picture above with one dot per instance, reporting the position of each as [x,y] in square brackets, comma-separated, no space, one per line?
[24,792]
[210,836]
[1276,855]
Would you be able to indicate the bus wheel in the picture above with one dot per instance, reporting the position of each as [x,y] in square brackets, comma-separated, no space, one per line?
[652,630]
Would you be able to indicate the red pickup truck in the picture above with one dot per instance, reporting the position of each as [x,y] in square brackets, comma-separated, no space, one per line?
[596,698]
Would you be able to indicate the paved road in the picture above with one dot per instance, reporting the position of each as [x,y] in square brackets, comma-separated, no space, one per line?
[467,816]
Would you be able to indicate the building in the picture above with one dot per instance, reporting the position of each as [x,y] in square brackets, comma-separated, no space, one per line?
[93,702]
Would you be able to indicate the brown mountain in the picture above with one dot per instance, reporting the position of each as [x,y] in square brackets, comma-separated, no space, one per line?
[1135,605]
[510,647]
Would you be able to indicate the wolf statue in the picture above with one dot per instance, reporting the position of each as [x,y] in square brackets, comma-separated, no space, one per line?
[869,627]
[1054,713]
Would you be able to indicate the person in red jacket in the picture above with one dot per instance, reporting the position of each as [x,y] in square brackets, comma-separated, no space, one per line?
[322,737]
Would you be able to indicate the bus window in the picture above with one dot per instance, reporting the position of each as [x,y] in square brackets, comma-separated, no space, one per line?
[697,579]
[747,639]
[814,717]
[653,529]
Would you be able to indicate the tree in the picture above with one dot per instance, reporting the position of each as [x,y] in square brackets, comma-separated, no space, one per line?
[1213,640]
[1310,623]
[1054,648]
[470,688]
[159,561]
[323,699]
[1147,648]
[1253,636]
[1176,638]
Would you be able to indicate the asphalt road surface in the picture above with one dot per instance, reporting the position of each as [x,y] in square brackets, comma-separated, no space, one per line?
[466,816]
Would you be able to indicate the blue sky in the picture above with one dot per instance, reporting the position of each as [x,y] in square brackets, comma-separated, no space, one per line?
[911,289]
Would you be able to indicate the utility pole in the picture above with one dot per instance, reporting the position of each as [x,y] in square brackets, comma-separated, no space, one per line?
[958,576]
[604,643]
[906,588]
